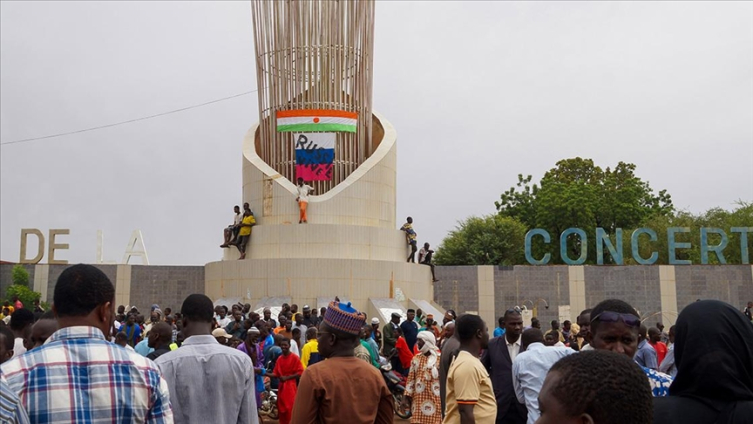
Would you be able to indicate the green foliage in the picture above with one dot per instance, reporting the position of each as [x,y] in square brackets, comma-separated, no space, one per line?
[576,193]
[720,218]
[19,275]
[521,204]
[488,240]
[20,287]
[25,294]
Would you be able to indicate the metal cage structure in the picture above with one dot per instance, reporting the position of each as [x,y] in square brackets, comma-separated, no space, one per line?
[314,54]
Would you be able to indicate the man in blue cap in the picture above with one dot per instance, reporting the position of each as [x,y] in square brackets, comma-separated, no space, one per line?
[360,395]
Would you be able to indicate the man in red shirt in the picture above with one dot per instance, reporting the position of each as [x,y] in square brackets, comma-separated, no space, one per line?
[654,337]
[403,352]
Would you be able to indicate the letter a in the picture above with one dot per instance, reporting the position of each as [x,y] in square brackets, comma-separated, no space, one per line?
[136,238]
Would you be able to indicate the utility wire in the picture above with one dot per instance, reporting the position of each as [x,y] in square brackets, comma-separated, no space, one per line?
[26,140]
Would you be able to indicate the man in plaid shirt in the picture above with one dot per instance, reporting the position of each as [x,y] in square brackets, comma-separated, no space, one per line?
[78,376]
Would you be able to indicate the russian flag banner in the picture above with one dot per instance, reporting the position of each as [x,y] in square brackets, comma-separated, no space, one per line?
[314,172]
[314,155]
[316,120]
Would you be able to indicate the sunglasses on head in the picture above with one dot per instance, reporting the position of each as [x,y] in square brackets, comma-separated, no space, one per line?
[609,316]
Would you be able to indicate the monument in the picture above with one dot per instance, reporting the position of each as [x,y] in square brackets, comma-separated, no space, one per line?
[314,68]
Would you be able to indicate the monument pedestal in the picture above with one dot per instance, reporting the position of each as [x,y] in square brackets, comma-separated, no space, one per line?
[351,247]
[304,281]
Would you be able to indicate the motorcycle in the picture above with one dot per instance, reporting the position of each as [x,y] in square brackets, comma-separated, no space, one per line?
[268,405]
[396,383]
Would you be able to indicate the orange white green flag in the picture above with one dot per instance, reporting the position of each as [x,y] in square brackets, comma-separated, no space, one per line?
[308,120]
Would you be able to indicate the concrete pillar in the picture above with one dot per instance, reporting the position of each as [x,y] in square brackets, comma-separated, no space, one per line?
[577,284]
[486,295]
[123,285]
[668,291]
[41,278]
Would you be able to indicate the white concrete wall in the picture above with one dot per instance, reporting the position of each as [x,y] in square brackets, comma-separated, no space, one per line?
[350,248]
[323,241]
[305,280]
[365,198]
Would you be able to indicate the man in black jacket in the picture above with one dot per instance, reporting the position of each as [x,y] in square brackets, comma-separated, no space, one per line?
[410,329]
[498,359]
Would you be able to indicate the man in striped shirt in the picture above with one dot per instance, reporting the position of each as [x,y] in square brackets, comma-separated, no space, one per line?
[11,411]
[80,377]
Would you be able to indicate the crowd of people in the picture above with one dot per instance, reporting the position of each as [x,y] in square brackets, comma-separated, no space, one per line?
[87,361]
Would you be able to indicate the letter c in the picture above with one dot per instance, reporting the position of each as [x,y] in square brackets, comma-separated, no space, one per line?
[529,255]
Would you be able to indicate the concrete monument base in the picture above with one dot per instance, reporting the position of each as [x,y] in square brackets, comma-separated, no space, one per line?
[305,280]
[351,247]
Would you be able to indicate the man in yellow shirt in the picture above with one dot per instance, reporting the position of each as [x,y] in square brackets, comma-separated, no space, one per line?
[244,233]
[310,352]
[470,397]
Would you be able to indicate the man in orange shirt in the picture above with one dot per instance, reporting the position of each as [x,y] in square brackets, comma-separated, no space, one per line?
[282,320]
[286,328]
[654,337]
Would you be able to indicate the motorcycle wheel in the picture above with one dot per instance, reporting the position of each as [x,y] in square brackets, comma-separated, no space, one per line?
[398,399]
[273,415]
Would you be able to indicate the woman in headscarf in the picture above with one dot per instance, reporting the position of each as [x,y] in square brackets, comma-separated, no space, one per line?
[422,388]
[714,359]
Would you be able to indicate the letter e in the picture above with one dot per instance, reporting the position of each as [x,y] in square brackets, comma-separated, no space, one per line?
[53,246]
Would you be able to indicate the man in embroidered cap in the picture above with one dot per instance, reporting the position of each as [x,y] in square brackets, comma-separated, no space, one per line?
[360,395]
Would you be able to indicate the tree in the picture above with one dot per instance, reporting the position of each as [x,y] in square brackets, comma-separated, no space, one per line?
[742,216]
[19,275]
[577,193]
[520,204]
[20,287]
[26,295]
[488,240]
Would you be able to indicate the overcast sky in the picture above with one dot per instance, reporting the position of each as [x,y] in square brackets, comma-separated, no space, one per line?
[478,93]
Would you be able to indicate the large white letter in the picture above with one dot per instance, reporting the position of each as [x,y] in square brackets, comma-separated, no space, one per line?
[136,238]
[53,246]
[40,252]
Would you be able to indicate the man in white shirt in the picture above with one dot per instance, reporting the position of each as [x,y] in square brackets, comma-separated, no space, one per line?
[231,231]
[303,199]
[220,314]
[122,340]
[294,342]
[530,367]
[213,384]
[301,327]
[20,323]
[424,258]
[154,318]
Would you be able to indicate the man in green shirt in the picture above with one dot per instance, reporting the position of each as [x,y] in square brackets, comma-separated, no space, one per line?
[365,337]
